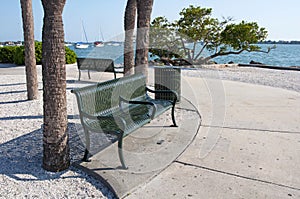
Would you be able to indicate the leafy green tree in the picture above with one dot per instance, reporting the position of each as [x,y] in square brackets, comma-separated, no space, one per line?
[163,40]
[202,32]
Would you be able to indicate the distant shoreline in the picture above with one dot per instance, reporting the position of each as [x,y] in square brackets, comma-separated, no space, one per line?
[285,79]
[293,68]
[9,43]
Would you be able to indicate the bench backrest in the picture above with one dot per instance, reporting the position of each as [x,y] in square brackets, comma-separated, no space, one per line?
[103,98]
[100,65]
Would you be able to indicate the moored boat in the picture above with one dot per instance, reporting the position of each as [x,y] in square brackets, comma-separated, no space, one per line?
[81,45]
[98,44]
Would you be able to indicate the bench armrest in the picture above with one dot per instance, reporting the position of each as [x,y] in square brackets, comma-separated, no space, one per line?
[164,91]
[139,102]
[120,121]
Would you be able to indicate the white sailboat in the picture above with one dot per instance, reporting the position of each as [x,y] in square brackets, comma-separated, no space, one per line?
[81,45]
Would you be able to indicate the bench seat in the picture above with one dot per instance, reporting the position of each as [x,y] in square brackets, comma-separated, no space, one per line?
[119,107]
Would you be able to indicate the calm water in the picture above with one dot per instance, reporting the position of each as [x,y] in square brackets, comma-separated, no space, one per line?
[282,55]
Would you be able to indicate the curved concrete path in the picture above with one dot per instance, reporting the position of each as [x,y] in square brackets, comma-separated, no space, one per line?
[248,145]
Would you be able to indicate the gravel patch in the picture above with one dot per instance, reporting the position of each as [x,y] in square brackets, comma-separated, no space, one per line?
[21,174]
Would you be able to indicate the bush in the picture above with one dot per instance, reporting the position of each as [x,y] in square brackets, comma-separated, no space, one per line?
[19,56]
[70,56]
[7,54]
[38,52]
[16,54]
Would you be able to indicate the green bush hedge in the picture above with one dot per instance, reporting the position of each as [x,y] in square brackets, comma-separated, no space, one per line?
[70,56]
[16,55]
[7,54]
[19,57]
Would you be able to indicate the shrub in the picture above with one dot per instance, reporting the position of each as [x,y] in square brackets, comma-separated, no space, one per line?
[38,52]
[19,55]
[70,56]
[7,54]
[16,54]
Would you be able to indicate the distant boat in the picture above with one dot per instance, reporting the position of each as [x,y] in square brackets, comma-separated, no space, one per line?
[114,43]
[81,45]
[98,44]
[68,44]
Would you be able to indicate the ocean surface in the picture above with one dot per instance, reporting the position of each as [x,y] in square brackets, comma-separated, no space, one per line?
[282,55]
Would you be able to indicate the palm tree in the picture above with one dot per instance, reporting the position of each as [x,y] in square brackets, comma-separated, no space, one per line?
[55,141]
[30,62]
[144,9]
[129,23]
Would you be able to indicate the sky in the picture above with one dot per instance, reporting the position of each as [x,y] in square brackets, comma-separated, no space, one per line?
[105,17]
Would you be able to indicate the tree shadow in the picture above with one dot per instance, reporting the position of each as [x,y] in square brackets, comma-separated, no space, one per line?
[32,117]
[12,92]
[21,158]
[15,92]
[14,102]
[13,84]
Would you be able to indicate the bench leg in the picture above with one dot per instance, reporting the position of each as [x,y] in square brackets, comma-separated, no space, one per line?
[89,74]
[79,75]
[86,156]
[120,151]
[173,117]
[87,147]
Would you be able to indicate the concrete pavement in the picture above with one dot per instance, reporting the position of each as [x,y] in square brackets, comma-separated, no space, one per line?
[248,145]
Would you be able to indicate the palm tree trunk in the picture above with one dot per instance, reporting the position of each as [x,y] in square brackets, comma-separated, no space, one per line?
[129,24]
[55,141]
[30,62]
[144,9]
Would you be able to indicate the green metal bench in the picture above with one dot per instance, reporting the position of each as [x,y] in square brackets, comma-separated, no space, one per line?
[99,65]
[119,107]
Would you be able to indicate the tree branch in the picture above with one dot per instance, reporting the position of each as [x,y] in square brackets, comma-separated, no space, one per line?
[202,49]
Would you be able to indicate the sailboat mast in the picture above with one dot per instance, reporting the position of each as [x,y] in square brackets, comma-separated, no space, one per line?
[101,34]
[84,32]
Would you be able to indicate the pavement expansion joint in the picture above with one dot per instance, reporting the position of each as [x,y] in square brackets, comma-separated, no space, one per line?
[235,175]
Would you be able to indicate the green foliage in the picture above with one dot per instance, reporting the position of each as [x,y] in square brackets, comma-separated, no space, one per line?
[38,52]
[70,56]
[242,35]
[7,54]
[197,27]
[163,41]
[19,56]
[196,24]
[16,54]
